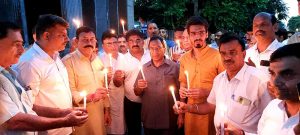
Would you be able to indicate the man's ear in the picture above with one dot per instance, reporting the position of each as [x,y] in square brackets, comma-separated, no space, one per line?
[275,27]
[45,36]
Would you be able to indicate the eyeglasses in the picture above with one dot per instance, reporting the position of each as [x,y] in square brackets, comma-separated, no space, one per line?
[111,43]
[154,49]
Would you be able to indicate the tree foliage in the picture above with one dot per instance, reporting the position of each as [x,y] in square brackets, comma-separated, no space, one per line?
[294,23]
[232,15]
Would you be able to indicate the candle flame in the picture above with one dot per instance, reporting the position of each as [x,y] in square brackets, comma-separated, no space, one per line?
[105,70]
[171,88]
[178,42]
[223,109]
[122,22]
[76,22]
[83,93]
[112,31]
[186,72]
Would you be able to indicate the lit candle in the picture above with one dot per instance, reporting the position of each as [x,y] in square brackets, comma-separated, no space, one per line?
[112,31]
[178,46]
[83,94]
[106,80]
[141,68]
[123,22]
[172,89]
[187,79]
[223,110]
[110,60]
[76,22]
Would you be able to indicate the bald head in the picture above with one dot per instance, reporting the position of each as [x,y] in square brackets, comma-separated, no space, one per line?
[267,16]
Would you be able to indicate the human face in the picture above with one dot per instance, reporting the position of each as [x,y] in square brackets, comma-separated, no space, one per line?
[186,41]
[232,56]
[11,48]
[198,35]
[86,43]
[135,44]
[285,75]
[157,50]
[178,35]
[263,28]
[110,45]
[163,33]
[57,38]
[152,30]
[122,45]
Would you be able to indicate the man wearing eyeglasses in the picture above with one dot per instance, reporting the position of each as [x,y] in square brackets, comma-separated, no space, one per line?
[126,74]
[85,75]
[203,64]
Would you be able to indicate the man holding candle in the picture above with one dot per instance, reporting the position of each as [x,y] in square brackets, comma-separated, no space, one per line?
[202,64]
[18,114]
[41,68]
[126,73]
[85,75]
[116,94]
[238,95]
[282,114]
[161,74]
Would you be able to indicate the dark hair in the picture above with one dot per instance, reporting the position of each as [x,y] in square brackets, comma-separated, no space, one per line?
[133,32]
[48,21]
[291,50]
[151,23]
[273,19]
[157,38]
[179,29]
[5,26]
[229,36]
[33,30]
[249,28]
[83,29]
[282,32]
[107,34]
[196,20]
[121,36]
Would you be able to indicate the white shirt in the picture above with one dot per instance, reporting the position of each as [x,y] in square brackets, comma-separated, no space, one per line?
[256,57]
[275,121]
[116,98]
[48,79]
[12,103]
[130,65]
[244,97]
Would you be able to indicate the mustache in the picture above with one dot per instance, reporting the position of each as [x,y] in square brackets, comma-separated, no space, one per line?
[135,46]
[228,61]
[261,31]
[87,46]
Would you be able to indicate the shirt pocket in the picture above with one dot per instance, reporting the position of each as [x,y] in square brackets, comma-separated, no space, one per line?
[237,111]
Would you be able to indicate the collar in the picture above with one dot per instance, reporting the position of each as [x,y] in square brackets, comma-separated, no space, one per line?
[202,51]
[165,61]
[43,54]
[240,75]
[272,47]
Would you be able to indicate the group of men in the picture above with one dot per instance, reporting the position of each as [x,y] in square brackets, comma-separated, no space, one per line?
[125,89]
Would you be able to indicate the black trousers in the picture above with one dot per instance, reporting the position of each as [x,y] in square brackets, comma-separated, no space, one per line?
[133,117]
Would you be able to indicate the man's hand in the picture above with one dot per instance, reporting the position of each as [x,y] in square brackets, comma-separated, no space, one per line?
[250,62]
[182,108]
[230,130]
[176,57]
[142,84]
[76,117]
[197,93]
[100,93]
[183,92]
[119,75]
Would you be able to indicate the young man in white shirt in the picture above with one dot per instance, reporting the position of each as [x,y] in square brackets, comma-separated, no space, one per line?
[240,92]
[282,114]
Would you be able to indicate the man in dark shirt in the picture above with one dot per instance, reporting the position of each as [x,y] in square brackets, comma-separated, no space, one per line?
[153,87]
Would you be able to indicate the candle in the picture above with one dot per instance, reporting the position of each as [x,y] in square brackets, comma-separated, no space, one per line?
[123,22]
[112,31]
[187,79]
[110,60]
[141,68]
[172,89]
[223,110]
[76,22]
[178,46]
[83,94]
[106,80]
